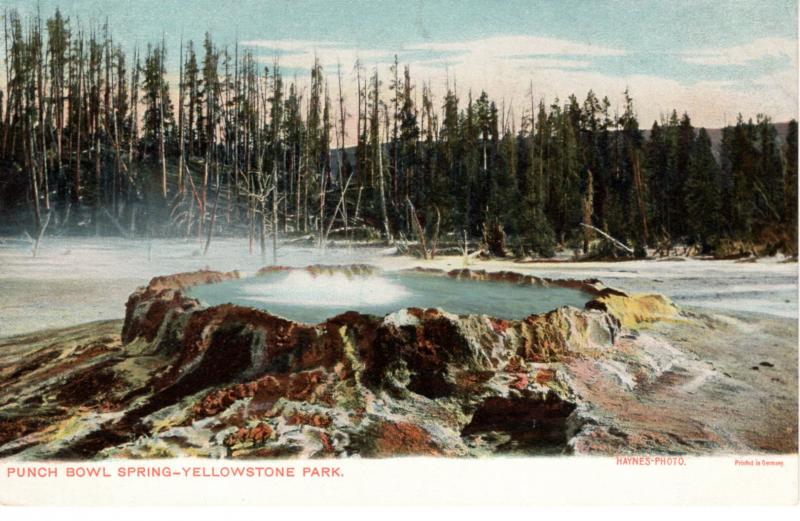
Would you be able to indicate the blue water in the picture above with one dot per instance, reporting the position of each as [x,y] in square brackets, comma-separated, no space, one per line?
[303,297]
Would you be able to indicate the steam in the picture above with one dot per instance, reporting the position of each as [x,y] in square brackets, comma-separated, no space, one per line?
[301,288]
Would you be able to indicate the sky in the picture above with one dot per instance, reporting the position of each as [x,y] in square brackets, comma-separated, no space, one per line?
[712,59]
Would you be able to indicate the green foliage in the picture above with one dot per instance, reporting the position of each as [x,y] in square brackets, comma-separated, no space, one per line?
[538,234]
[703,202]
[79,128]
[790,160]
[158,112]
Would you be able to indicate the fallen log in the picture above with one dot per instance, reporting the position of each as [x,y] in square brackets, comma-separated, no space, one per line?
[116,223]
[41,233]
[611,239]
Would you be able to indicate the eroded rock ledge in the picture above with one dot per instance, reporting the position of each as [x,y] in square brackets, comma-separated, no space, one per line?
[234,381]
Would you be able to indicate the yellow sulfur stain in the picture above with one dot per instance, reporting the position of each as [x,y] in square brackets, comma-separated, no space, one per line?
[637,309]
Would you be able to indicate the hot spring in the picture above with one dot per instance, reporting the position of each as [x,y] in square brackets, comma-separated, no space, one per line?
[304,296]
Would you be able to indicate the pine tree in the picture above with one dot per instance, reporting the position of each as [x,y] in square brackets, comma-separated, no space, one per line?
[535,227]
[73,138]
[58,50]
[703,202]
[155,89]
[790,186]
[769,175]
[408,138]
[656,162]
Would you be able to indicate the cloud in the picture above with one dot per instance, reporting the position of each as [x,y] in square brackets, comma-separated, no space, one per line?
[301,53]
[550,63]
[290,45]
[739,55]
[509,67]
[527,51]
[509,46]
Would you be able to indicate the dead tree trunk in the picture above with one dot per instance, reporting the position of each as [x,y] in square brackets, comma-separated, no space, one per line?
[181,186]
[161,125]
[384,215]
[611,239]
[213,218]
[639,186]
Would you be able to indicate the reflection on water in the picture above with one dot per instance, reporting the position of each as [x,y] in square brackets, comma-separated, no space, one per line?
[301,296]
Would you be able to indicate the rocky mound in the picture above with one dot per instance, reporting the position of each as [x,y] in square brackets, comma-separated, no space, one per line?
[184,379]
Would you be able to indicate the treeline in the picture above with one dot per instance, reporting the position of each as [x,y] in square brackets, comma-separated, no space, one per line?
[94,138]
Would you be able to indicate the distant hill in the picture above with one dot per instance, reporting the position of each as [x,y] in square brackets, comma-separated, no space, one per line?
[716,135]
